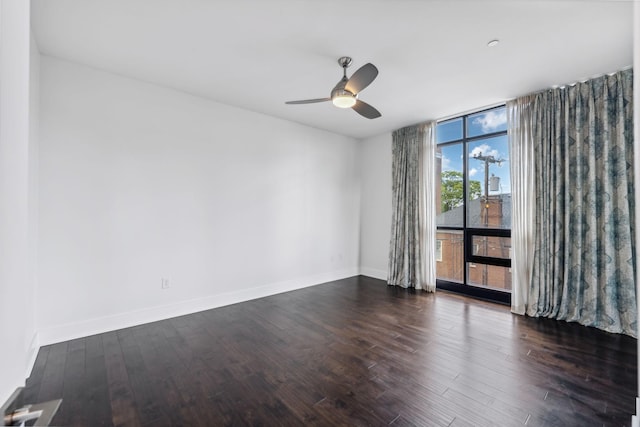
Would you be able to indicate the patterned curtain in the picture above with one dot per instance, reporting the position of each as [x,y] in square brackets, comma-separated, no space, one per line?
[408,265]
[584,262]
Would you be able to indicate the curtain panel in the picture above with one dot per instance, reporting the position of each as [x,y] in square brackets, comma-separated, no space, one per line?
[584,246]
[412,245]
[521,142]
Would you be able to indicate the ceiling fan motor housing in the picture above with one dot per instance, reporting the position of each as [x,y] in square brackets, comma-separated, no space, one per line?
[339,89]
[345,93]
[341,92]
[341,97]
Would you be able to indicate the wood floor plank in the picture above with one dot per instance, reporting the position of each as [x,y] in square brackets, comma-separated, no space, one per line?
[54,371]
[350,352]
[75,384]
[33,383]
[124,411]
[96,402]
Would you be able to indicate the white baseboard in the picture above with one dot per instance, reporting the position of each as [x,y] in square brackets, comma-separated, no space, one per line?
[69,331]
[375,273]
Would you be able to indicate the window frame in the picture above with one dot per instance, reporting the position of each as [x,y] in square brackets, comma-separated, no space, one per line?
[493,294]
[438,250]
[481,259]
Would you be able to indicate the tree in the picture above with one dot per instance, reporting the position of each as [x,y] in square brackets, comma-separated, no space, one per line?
[452,194]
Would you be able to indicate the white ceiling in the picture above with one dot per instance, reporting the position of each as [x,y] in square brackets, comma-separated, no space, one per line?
[256,54]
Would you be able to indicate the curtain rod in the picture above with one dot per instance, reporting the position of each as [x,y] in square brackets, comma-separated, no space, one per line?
[475,110]
[496,104]
[628,67]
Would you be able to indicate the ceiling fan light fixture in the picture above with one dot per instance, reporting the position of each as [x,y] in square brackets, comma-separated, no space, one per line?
[345,93]
[343,99]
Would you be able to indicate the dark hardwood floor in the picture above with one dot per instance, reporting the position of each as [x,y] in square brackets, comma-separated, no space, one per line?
[351,352]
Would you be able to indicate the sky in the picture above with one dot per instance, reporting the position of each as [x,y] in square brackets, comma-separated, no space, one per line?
[478,124]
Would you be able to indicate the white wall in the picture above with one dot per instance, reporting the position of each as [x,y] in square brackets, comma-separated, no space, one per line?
[139,182]
[34,137]
[375,223]
[17,311]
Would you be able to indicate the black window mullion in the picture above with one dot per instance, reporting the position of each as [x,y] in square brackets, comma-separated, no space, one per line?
[465,195]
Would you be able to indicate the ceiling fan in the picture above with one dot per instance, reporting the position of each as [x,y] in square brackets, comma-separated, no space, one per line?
[345,93]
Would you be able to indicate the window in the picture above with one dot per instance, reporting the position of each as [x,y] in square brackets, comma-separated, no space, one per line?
[473,203]
[439,250]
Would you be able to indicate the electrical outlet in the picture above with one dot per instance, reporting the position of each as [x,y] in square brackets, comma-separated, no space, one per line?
[164,283]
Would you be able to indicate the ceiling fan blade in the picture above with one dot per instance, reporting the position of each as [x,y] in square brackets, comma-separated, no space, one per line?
[366,110]
[361,78]
[308,101]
